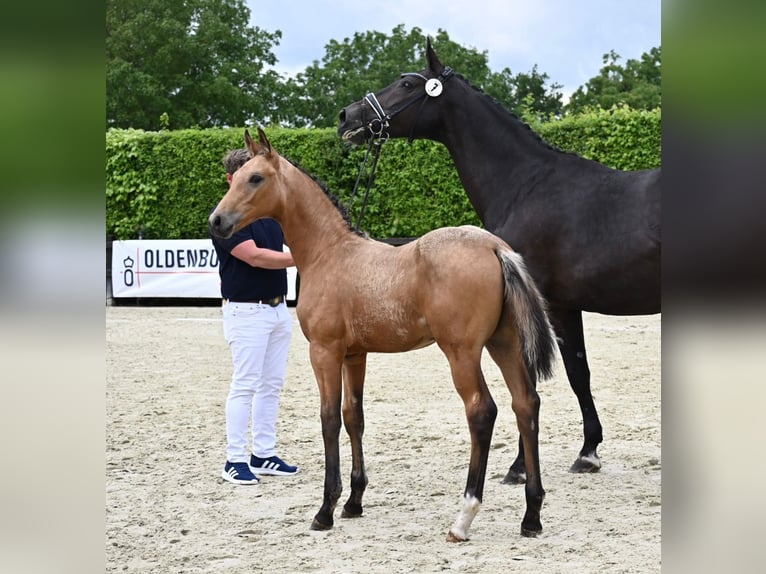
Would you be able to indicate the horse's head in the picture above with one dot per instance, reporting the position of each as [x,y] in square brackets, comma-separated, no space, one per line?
[254,191]
[399,108]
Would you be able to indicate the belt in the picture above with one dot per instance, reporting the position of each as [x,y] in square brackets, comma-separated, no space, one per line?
[273,302]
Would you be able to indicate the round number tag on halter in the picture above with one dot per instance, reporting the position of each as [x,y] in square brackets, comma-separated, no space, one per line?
[433,87]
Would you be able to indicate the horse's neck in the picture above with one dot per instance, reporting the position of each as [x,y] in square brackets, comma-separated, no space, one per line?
[492,151]
[311,223]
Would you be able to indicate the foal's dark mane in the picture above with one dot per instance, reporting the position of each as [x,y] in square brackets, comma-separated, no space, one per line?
[342,209]
[513,116]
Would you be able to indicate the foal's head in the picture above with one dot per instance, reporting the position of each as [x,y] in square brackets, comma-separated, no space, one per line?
[256,189]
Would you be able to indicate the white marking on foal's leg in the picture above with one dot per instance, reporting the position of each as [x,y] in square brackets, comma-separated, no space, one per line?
[459,531]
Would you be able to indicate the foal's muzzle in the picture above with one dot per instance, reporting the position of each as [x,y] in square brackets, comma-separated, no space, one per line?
[219,226]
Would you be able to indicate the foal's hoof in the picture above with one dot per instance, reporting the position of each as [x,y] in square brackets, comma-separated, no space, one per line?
[452,537]
[515,477]
[316,525]
[584,464]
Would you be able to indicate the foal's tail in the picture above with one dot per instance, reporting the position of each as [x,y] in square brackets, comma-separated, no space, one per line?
[538,342]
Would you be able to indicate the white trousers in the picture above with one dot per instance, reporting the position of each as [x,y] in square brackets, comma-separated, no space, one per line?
[259,338]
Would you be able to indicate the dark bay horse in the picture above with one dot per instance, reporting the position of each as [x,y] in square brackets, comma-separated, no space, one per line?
[590,235]
[462,288]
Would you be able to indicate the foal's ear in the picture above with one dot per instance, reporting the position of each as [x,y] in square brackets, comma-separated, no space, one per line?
[432,59]
[261,147]
[265,145]
[251,145]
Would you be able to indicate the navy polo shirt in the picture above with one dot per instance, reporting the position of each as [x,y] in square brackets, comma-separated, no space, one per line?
[241,281]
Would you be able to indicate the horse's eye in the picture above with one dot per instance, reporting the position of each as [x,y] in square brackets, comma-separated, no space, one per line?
[407,84]
[256,178]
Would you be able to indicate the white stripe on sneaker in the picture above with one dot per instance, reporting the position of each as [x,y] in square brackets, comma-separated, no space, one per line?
[238,477]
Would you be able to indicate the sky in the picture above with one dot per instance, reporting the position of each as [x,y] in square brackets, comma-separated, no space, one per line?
[565,38]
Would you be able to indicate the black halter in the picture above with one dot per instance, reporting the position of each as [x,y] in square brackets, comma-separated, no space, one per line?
[378,128]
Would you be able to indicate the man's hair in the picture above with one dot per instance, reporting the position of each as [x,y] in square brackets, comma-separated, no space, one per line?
[235,159]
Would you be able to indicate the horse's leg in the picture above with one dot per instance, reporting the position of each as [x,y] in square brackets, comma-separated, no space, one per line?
[517,473]
[569,327]
[353,419]
[526,406]
[327,370]
[480,412]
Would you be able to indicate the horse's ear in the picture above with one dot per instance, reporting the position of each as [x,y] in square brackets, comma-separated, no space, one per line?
[251,145]
[432,59]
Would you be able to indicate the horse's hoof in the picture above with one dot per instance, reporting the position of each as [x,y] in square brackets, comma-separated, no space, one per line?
[452,537]
[351,511]
[515,477]
[530,533]
[585,464]
[316,525]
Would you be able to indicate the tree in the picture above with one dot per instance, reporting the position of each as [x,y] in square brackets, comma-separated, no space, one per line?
[637,84]
[370,60]
[197,61]
[527,94]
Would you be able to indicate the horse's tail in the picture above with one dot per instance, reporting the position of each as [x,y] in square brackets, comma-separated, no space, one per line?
[538,341]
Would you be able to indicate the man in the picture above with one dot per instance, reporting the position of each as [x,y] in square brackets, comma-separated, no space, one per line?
[258,327]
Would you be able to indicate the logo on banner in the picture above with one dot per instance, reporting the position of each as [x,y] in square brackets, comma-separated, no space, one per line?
[127,271]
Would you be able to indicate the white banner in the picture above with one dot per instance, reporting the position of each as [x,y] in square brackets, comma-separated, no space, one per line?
[171,268]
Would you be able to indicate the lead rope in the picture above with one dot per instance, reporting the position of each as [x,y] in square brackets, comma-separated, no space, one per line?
[377,142]
[379,136]
[370,181]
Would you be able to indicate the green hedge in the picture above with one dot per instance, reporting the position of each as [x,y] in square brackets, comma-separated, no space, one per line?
[163,185]
[621,137]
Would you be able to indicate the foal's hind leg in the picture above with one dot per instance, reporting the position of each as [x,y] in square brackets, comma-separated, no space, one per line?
[353,419]
[526,406]
[481,412]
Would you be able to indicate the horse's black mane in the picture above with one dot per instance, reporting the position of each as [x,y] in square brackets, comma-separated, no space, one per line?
[512,115]
[342,209]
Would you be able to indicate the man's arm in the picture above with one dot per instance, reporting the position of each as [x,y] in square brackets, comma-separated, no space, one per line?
[255,256]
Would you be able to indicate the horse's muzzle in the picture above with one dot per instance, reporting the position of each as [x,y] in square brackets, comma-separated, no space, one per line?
[352,129]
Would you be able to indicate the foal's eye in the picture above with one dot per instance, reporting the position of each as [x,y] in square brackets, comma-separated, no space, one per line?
[256,178]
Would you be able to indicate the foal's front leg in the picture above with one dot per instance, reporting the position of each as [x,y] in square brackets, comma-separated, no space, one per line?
[327,370]
[353,419]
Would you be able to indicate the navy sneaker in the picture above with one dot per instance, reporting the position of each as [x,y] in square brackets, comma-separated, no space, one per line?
[272,465]
[238,473]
